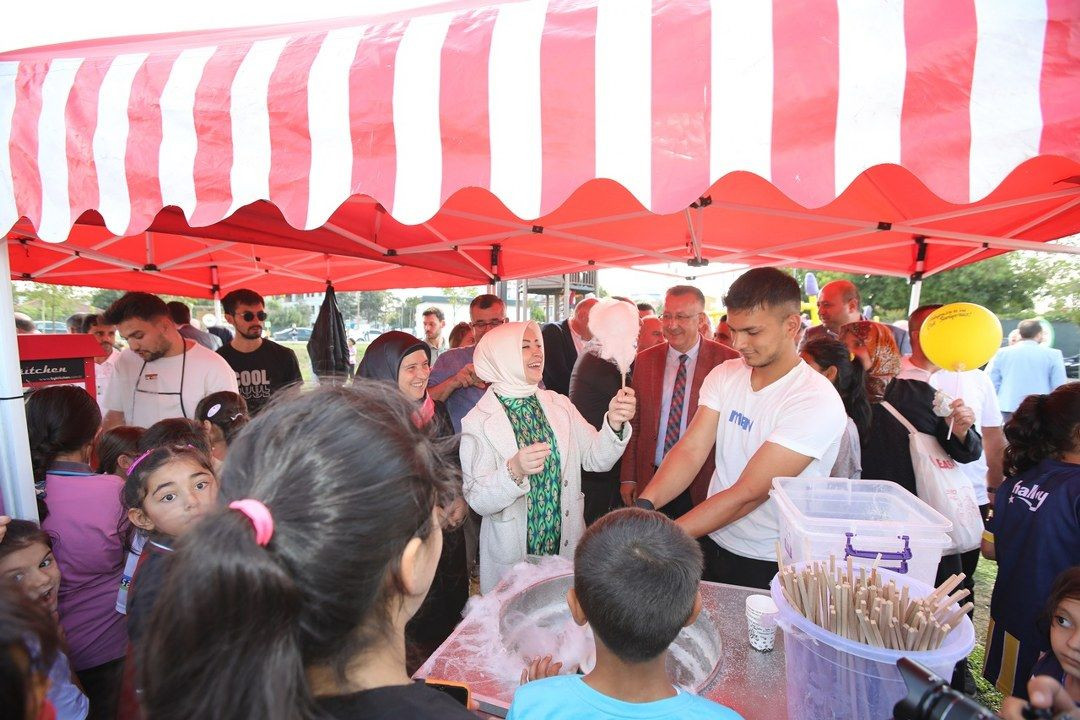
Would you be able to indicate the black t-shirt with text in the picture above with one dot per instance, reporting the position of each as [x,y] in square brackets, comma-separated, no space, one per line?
[262,372]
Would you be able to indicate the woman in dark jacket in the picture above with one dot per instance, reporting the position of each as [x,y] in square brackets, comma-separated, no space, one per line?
[403,360]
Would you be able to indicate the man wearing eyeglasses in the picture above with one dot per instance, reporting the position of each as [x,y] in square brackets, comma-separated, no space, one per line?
[162,374]
[667,378]
[262,366]
[452,378]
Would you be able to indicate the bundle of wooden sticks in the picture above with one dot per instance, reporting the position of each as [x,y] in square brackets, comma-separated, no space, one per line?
[863,607]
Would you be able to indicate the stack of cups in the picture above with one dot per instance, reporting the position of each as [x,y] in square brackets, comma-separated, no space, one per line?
[761,613]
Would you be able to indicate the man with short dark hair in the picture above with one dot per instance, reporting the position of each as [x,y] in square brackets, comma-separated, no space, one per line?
[162,374]
[434,322]
[104,367]
[667,380]
[24,325]
[645,309]
[1026,368]
[767,414]
[452,378]
[840,303]
[563,342]
[181,315]
[263,368]
[723,332]
[75,323]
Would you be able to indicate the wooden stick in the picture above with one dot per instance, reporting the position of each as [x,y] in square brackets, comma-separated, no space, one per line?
[956,616]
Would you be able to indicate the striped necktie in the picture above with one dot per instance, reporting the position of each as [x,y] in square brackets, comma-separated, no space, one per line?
[678,397]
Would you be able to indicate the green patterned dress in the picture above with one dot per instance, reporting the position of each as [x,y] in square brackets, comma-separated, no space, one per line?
[544,521]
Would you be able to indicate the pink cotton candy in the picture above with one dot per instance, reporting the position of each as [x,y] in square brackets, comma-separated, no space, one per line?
[614,327]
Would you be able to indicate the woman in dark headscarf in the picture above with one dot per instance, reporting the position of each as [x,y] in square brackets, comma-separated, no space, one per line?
[403,360]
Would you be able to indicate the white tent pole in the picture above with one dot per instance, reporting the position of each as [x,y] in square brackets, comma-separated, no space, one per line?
[917,276]
[16,473]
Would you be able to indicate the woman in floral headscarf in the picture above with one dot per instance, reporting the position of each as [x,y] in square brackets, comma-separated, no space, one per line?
[886,453]
[523,450]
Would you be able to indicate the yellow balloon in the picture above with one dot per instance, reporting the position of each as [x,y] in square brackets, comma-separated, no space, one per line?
[960,336]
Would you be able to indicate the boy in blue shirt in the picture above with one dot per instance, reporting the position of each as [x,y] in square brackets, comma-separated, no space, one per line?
[636,579]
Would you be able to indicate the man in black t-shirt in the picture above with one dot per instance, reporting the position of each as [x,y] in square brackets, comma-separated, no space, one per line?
[262,366]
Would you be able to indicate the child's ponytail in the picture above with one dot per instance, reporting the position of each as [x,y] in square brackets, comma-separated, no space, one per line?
[348,481]
[1044,426]
[223,640]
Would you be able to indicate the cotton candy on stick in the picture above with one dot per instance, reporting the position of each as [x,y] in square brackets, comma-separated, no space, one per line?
[614,327]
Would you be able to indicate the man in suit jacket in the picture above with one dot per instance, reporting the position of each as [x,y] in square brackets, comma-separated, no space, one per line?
[592,385]
[656,375]
[563,343]
[1026,368]
[839,303]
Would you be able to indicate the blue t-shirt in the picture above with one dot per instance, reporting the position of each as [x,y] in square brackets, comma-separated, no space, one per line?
[565,697]
[462,400]
[1036,528]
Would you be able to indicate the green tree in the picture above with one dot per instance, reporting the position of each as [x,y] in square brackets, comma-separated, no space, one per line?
[102,299]
[282,317]
[42,301]
[457,297]
[1001,284]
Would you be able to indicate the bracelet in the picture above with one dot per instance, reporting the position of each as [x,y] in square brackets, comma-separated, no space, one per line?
[643,503]
[517,480]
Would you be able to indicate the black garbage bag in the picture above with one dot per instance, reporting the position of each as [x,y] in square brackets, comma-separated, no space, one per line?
[328,347]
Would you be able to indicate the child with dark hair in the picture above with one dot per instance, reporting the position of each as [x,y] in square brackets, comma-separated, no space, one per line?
[167,490]
[1056,676]
[835,361]
[29,646]
[636,577]
[117,447]
[88,529]
[26,561]
[175,431]
[332,550]
[1034,533]
[222,414]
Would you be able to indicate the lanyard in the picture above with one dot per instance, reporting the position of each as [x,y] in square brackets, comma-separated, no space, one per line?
[138,379]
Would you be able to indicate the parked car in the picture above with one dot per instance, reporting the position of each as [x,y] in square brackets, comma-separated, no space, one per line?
[1072,367]
[295,334]
[51,327]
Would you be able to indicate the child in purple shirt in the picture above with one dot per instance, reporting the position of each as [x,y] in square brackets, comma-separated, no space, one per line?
[82,512]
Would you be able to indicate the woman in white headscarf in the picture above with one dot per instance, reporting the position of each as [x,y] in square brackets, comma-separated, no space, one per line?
[522,452]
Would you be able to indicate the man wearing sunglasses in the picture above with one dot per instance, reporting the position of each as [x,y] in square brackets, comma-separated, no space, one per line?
[262,366]
[162,374]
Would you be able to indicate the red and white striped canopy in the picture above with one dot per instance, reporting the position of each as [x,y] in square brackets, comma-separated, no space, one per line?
[826,133]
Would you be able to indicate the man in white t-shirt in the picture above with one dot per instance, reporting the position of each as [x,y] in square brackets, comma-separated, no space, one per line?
[768,414]
[105,335]
[162,374]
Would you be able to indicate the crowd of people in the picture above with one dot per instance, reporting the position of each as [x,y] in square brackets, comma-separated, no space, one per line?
[216,541]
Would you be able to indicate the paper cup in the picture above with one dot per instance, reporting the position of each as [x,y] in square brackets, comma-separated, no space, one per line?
[761,613]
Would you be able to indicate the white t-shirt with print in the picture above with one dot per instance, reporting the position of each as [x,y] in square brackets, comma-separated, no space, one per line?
[801,411]
[160,382]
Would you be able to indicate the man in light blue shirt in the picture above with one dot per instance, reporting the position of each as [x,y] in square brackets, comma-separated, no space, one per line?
[1026,368]
[452,378]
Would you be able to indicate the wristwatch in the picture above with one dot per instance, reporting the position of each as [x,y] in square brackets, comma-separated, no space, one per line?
[643,503]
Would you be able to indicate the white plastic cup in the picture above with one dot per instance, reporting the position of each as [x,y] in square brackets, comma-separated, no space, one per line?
[761,614]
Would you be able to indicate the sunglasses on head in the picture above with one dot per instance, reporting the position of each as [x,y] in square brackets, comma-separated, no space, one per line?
[249,316]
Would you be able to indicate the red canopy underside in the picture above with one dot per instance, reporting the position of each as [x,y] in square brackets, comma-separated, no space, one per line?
[871,228]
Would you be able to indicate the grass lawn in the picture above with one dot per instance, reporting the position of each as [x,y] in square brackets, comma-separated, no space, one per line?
[300,348]
[985,575]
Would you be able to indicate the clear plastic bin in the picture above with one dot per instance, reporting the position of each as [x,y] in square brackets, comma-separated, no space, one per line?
[830,677]
[820,517]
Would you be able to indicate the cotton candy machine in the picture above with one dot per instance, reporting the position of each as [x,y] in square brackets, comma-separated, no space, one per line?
[527,617]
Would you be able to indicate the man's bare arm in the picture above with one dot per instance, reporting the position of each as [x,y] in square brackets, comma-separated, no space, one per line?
[748,492]
[994,450]
[684,460]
